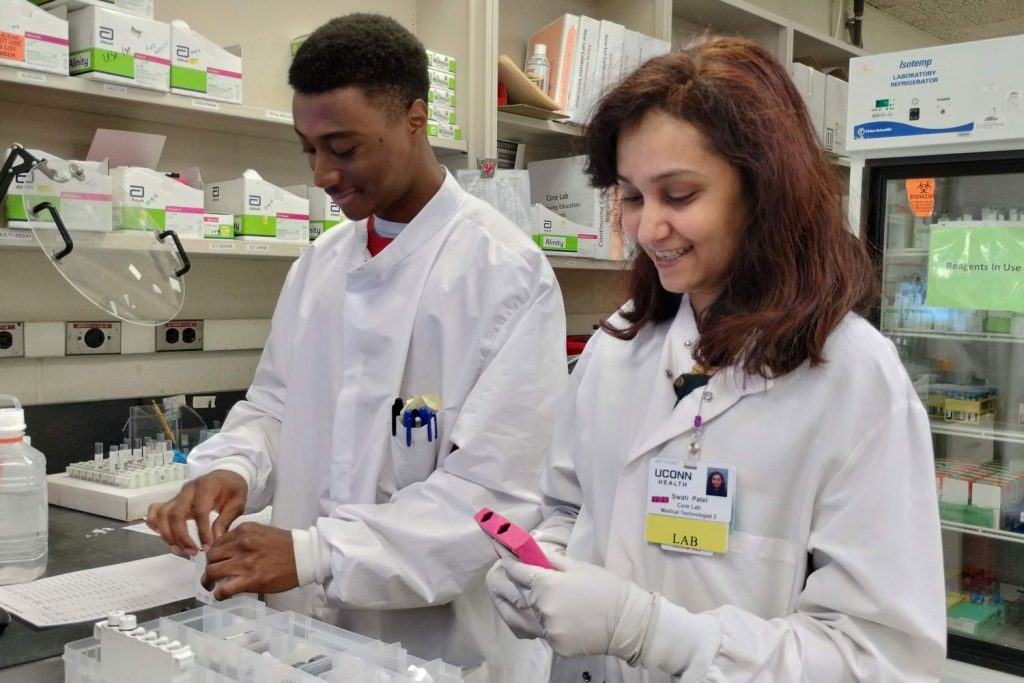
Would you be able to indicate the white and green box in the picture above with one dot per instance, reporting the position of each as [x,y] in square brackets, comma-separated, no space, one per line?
[261,210]
[199,67]
[556,233]
[441,113]
[324,213]
[218,226]
[120,48]
[440,62]
[441,79]
[561,186]
[32,39]
[442,96]
[139,8]
[145,199]
[83,205]
[446,131]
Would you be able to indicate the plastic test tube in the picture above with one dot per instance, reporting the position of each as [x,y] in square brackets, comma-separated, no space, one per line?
[98,453]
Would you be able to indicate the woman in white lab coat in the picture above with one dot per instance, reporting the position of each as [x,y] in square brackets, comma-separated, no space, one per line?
[740,351]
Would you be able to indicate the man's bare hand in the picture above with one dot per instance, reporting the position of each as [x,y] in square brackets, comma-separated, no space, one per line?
[253,558]
[220,490]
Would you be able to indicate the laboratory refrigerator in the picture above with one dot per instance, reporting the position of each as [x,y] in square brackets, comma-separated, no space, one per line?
[936,140]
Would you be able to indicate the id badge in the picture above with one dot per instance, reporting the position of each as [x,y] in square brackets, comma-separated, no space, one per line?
[689,509]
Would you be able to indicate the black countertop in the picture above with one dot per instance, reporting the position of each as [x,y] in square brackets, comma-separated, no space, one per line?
[77,540]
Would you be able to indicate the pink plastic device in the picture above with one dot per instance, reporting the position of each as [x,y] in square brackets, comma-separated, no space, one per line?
[519,542]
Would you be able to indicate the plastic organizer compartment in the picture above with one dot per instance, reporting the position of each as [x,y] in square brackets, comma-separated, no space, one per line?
[243,640]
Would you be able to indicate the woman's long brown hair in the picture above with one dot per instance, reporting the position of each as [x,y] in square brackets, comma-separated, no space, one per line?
[798,270]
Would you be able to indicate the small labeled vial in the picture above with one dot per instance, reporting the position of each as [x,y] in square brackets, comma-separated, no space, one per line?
[538,68]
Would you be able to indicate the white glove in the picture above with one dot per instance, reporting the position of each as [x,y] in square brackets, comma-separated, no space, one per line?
[580,609]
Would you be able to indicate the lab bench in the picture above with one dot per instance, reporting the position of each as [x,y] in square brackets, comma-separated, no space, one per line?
[77,541]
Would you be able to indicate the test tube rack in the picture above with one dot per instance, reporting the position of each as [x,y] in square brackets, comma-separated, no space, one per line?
[240,640]
[121,486]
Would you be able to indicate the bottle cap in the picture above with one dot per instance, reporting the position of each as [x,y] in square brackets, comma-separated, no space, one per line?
[12,417]
[540,49]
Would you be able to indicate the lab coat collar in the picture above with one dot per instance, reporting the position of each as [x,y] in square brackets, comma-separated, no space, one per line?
[727,386]
[432,219]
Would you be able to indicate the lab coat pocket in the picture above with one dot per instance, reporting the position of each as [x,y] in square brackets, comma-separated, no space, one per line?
[769,571]
[413,455]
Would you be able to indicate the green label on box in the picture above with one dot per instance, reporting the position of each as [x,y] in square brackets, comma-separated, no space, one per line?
[103,61]
[976,268]
[557,242]
[262,226]
[187,78]
[139,218]
[18,211]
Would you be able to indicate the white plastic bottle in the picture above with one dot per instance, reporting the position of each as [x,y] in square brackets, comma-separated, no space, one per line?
[23,512]
[538,68]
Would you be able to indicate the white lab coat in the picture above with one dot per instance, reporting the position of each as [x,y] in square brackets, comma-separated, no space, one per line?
[834,569]
[461,304]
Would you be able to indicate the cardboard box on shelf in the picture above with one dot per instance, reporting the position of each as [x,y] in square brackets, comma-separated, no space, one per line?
[139,8]
[437,129]
[32,39]
[811,84]
[561,186]
[200,67]
[261,209]
[834,121]
[83,203]
[145,199]
[218,226]
[324,213]
[110,46]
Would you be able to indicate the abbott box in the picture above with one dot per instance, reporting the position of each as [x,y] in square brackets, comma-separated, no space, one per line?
[445,131]
[561,186]
[120,48]
[145,199]
[83,200]
[140,8]
[32,39]
[200,67]
[555,233]
[218,226]
[811,84]
[324,213]
[261,210]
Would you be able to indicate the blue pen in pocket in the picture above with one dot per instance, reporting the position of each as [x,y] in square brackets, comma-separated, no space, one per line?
[429,418]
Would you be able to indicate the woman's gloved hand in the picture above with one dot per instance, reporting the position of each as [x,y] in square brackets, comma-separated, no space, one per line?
[579,609]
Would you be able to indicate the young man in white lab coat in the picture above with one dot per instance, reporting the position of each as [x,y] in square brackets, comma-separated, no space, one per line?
[427,291]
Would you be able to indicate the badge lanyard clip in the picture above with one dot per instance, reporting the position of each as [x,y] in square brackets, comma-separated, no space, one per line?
[693,451]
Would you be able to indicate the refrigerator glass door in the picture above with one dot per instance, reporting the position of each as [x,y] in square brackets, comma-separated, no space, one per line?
[958,231]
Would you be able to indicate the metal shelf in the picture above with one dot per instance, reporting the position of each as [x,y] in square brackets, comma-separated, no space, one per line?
[894,254]
[954,336]
[838,159]
[533,131]
[23,239]
[999,432]
[575,263]
[131,240]
[970,529]
[826,49]
[82,94]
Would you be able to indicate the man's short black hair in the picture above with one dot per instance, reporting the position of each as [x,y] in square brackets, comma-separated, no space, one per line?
[370,51]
